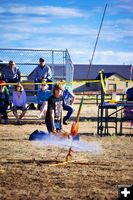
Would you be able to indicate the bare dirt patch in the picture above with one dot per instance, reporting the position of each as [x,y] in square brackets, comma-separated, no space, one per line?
[27,171]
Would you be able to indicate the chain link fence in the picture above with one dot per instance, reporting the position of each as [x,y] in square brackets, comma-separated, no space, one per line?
[27,59]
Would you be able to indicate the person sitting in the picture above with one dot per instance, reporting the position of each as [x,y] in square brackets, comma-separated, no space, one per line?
[11,73]
[69,98]
[43,95]
[42,71]
[4,101]
[1,78]
[19,102]
[54,112]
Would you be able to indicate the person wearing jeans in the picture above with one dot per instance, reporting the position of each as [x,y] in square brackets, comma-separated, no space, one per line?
[69,110]
[69,98]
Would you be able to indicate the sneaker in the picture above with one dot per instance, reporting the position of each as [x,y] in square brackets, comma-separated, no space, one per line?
[6,121]
[18,123]
[39,116]
[65,123]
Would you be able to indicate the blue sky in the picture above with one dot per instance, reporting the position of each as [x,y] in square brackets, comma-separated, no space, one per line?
[71,24]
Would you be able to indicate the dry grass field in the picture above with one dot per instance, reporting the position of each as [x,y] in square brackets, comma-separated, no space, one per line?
[27,171]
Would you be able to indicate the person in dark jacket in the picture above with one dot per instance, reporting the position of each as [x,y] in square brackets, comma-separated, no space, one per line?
[11,73]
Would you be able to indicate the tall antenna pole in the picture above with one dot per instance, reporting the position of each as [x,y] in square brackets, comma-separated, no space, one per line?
[97,40]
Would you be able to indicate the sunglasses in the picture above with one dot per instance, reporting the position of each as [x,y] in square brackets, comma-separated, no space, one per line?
[58,89]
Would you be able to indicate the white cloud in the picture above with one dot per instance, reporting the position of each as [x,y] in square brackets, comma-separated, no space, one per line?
[120,6]
[113,57]
[61,12]
[44,27]
[102,57]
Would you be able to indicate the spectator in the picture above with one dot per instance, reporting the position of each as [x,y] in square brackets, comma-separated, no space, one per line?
[19,102]
[1,78]
[69,98]
[42,71]
[54,112]
[42,97]
[128,111]
[4,101]
[11,73]
[129,94]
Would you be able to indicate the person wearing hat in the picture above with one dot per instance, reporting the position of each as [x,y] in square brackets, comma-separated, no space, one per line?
[69,99]
[11,73]
[4,101]
[54,121]
[19,102]
[42,71]
[43,95]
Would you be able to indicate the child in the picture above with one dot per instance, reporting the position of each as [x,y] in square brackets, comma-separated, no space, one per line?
[4,101]
[43,95]
[54,112]
[69,99]
[19,102]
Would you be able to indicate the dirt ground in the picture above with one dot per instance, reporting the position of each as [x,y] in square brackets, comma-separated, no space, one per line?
[27,171]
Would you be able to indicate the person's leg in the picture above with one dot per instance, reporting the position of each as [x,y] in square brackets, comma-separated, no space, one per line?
[39,108]
[43,109]
[4,113]
[36,85]
[69,110]
[57,126]
[22,114]
[49,127]
[16,114]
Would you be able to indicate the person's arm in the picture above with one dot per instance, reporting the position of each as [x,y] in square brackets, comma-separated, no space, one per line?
[24,98]
[73,99]
[18,74]
[14,100]
[39,97]
[61,121]
[35,74]
[49,74]
[52,121]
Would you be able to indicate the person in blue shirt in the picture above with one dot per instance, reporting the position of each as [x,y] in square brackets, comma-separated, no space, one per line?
[43,95]
[42,71]
[69,98]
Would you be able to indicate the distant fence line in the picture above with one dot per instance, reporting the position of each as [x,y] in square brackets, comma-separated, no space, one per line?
[95,98]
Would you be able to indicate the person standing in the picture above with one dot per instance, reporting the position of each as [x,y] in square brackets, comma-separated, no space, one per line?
[42,71]
[54,121]
[4,101]
[11,73]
